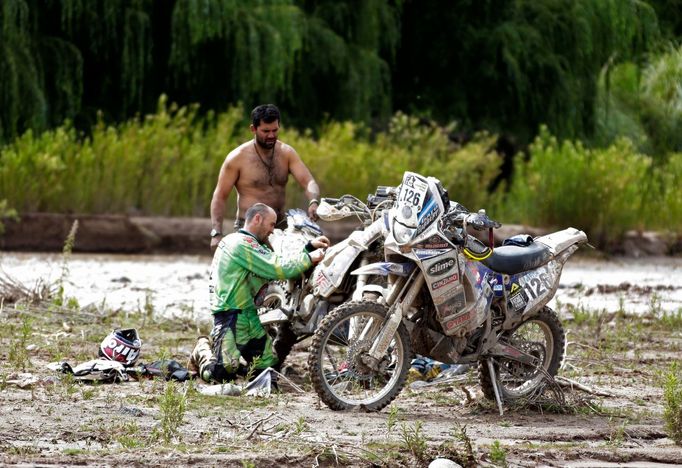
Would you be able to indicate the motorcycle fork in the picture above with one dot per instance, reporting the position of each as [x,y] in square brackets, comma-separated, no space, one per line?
[408,292]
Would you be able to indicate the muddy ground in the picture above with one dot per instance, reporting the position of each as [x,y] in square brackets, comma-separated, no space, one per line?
[620,358]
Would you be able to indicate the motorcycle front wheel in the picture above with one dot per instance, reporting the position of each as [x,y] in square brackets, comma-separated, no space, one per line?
[542,336]
[338,364]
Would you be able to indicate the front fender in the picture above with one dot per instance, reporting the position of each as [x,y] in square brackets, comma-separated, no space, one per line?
[385,269]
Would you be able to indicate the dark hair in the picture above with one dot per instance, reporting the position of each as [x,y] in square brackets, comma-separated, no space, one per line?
[267,113]
[256,208]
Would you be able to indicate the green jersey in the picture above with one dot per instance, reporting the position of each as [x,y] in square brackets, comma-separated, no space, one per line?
[242,265]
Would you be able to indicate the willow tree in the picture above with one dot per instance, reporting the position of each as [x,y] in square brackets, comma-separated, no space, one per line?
[313,57]
[513,65]
[63,55]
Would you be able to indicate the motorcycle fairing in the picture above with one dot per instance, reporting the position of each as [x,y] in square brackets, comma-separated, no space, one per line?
[329,273]
[418,206]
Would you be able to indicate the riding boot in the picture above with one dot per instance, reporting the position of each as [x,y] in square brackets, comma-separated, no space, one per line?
[202,360]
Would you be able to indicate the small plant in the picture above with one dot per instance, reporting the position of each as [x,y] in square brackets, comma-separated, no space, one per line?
[655,304]
[498,454]
[413,440]
[147,311]
[300,426]
[672,393]
[70,385]
[129,435]
[460,433]
[393,416]
[618,433]
[66,255]
[251,371]
[172,405]
[18,355]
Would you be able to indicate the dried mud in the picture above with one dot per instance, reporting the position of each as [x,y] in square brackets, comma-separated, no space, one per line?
[57,422]
[619,356]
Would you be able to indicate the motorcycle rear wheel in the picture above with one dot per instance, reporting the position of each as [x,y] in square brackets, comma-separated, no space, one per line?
[339,375]
[542,336]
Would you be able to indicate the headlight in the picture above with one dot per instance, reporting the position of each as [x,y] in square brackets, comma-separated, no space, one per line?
[401,233]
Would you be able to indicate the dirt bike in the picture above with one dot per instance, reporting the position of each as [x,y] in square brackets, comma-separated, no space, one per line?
[292,310]
[450,297]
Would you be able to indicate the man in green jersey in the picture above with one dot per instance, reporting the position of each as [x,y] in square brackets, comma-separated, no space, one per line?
[242,264]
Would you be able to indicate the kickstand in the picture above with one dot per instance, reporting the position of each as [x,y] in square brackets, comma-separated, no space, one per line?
[493,380]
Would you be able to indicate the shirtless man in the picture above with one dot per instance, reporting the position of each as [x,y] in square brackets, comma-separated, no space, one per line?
[259,169]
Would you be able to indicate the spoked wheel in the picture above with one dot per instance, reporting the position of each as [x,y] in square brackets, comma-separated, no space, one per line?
[541,336]
[341,370]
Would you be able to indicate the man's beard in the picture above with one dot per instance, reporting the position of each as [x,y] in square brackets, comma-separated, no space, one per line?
[266,144]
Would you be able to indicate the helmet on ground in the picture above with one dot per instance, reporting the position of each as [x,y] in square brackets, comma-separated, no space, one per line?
[122,346]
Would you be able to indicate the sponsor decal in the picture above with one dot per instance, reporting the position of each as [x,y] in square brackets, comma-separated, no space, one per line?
[517,301]
[427,219]
[452,305]
[441,267]
[433,242]
[445,281]
[255,245]
[321,281]
[427,253]
[450,324]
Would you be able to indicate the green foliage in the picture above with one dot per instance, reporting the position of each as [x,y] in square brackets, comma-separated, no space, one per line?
[603,191]
[6,212]
[167,163]
[413,440]
[672,392]
[644,104]
[498,454]
[345,149]
[500,66]
[512,66]
[172,406]
[18,354]
[164,164]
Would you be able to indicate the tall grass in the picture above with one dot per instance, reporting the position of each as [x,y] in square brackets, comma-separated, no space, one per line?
[603,191]
[167,164]
[164,164]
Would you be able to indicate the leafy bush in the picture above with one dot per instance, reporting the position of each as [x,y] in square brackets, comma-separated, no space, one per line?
[603,191]
[344,159]
[672,392]
[167,164]
[164,164]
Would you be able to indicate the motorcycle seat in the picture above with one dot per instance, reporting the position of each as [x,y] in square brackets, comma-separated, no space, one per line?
[512,259]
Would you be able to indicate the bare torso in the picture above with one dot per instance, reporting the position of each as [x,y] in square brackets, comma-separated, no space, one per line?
[262,176]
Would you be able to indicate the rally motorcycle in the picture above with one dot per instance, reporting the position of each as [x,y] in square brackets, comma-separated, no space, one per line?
[292,310]
[451,298]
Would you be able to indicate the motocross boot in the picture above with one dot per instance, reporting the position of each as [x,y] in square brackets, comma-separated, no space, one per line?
[202,359]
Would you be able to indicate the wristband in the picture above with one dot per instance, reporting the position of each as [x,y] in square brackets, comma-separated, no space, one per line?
[314,200]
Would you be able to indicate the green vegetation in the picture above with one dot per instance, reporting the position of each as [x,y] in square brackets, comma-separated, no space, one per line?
[167,164]
[516,64]
[578,187]
[672,391]
[172,406]
[18,355]
[413,439]
[498,454]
